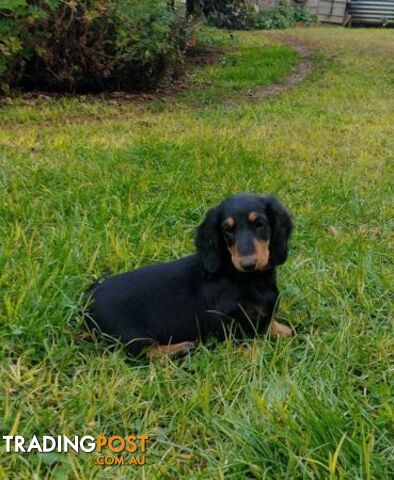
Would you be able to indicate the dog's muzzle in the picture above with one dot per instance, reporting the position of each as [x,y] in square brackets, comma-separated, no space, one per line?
[248,263]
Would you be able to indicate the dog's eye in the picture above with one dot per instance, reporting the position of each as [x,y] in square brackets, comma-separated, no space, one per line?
[229,232]
[229,228]
[258,223]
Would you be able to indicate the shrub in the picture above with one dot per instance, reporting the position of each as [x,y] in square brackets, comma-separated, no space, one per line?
[232,14]
[248,15]
[90,44]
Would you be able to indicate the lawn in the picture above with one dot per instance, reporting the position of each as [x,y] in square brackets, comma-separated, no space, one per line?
[88,184]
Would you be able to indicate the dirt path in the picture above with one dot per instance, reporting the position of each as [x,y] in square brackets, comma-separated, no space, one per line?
[301,71]
[303,68]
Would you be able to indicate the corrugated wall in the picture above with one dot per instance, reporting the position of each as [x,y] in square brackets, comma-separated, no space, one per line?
[372,12]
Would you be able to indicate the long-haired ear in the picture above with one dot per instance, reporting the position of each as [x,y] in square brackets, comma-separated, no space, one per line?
[209,242]
[281,227]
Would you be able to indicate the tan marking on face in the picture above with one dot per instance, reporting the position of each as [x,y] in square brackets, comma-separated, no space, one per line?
[229,222]
[262,253]
[280,330]
[252,216]
[235,258]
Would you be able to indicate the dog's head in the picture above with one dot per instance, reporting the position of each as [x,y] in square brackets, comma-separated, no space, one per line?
[249,232]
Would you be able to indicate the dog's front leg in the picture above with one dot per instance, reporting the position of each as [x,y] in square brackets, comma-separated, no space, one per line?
[174,349]
[280,329]
[270,325]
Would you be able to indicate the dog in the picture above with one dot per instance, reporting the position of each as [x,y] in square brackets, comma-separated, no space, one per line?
[227,288]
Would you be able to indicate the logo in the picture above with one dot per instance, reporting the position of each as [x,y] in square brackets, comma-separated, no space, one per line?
[119,450]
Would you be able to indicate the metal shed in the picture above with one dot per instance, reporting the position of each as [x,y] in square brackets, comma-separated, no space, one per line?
[365,12]
[372,12]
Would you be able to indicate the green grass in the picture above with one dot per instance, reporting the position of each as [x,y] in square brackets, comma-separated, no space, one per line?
[89,184]
[259,62]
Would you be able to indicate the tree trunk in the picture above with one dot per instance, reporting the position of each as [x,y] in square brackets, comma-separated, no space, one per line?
[194,8]
[194,11]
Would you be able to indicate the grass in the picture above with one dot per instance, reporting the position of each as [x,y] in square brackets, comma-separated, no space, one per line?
[91,183]
[241,69]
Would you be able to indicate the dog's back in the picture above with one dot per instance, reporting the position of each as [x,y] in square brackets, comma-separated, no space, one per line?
[157,303]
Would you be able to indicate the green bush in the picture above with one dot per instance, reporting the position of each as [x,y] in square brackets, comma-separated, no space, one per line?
[89,45]
[232,14]
[248,15]
[284,16]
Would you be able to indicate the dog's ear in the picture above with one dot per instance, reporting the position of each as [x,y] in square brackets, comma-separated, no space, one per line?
[209,242]
[281,227]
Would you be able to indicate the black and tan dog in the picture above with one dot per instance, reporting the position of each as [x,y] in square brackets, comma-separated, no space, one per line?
[227,288]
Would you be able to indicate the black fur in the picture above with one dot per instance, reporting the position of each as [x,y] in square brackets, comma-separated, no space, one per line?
[281,227]
[203,294]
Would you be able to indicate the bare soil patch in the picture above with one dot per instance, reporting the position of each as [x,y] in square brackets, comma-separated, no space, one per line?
[303,68]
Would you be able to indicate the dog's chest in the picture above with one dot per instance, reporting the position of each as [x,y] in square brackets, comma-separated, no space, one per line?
[228,296]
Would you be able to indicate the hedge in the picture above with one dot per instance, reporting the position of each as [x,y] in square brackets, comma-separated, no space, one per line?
[90,45]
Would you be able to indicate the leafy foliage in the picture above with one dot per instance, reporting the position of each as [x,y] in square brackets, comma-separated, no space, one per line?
[89,44]
[284,16]
[248,15]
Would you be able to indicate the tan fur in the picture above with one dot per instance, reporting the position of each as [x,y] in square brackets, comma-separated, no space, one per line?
[280,330]
[157,351]
[252,216]
[260,256]
[262,252]
[234,256]
[230,222]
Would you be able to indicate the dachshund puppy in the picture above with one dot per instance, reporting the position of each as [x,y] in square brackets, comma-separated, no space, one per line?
[228,287]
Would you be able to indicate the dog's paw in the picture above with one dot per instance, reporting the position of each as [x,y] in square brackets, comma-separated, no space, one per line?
[184,349]
[281,330]
[175,350]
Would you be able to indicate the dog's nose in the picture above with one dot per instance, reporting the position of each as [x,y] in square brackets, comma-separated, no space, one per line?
[248,264]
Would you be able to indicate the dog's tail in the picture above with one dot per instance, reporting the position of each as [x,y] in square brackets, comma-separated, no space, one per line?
[86,303]
[88,294]
[98,281]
